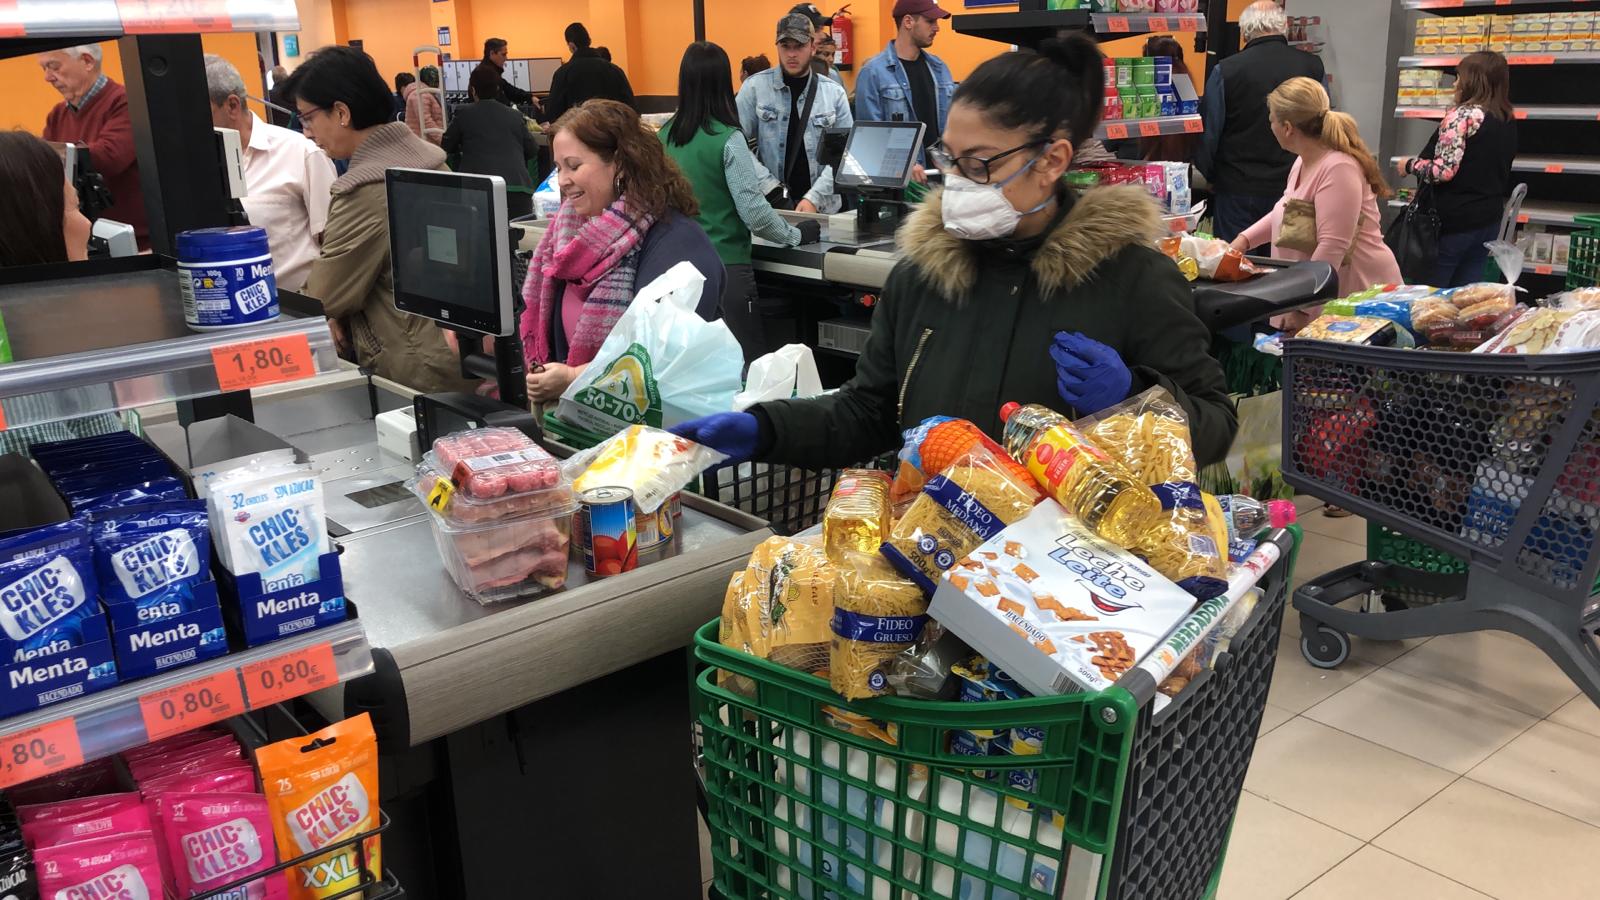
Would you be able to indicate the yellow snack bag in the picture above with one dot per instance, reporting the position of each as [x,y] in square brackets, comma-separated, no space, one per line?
[779,606]
[322,789]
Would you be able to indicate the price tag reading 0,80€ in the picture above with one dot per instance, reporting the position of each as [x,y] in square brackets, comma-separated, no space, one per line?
[290,675]
[37,752]
[190,705]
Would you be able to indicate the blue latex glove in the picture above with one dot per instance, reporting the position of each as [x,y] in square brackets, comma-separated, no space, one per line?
[1089,375]
[730,433]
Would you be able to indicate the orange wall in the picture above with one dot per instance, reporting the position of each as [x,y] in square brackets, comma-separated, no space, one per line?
[29,99]
[389,30]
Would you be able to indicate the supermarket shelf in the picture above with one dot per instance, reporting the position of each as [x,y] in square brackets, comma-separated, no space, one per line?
[73,360]
[1025,29]
[1451,60]
[128,715]
[1535,111]
[1541,212]
[1117,129]
[44,19]
[1472,7]
[1557,165]
[1146,23]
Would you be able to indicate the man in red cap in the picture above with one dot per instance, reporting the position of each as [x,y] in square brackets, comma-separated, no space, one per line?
[906,83]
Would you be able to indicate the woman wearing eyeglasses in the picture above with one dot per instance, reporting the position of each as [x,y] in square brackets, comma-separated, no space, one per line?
[1009,289]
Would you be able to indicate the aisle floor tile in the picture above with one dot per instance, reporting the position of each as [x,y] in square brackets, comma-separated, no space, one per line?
[1580,713]
[1432,722]
[1271,717]
[705,849]
[1340,780]
[1494,666]
[1549,764]
[1371,872]
[1320,554]
[1274,852]
[1345,528]
[1498,844]
[1297,685]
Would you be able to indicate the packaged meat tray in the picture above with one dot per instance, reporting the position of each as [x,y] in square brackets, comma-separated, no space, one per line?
[1057,607]
[496,561]
[493,475]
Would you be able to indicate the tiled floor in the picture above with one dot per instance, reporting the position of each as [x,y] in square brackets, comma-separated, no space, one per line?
[1464,766]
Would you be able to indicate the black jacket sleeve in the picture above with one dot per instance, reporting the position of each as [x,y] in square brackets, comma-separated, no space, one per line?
[858,422]
[555,103]
[512,93]
[1167,345]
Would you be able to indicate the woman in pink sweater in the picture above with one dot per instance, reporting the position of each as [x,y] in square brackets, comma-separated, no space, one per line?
[1330,210]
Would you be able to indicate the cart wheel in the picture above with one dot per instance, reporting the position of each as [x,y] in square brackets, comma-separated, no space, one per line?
[1328,648]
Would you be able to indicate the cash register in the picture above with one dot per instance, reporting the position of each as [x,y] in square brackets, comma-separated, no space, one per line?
[876,166]
[450,248]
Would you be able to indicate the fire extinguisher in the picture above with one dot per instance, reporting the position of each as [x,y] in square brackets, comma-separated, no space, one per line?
[844,36]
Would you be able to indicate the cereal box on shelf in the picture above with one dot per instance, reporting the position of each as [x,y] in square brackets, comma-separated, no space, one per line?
[1057,607]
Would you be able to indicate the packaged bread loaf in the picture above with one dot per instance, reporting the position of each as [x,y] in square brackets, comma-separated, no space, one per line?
[779,606]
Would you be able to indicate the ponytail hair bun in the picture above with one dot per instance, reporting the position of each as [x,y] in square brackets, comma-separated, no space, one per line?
[1053,92]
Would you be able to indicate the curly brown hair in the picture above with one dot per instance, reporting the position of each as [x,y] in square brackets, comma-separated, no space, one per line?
[649,179]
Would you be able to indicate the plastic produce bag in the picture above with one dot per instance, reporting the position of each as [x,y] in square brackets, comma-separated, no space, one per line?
[547,199]
[787,373]
[654,464]
[661,364]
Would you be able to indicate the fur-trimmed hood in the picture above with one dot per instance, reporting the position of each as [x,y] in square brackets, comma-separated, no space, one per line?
[1097,226]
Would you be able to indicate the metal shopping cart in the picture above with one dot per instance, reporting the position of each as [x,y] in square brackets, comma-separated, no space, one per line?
[1491,463]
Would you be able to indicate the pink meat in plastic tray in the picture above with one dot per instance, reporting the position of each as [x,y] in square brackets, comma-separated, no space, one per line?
[491,462]
[469,510]
[510,560]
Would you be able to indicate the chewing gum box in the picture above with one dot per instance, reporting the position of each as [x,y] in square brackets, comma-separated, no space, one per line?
[264,616]
[57,674]
[1055,606]
[151,638]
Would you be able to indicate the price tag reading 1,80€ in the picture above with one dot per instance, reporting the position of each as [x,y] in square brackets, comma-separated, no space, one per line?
[290,675]
[37,752]
[188,706]
[270,361]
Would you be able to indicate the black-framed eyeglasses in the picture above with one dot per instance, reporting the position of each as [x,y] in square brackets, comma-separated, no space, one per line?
[306,114]
[976,169]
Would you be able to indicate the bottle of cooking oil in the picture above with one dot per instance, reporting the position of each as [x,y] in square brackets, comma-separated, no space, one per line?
[857,517]
[1100,491]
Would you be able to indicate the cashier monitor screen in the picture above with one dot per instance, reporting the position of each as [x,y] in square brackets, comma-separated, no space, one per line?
[449,245]
[880,154]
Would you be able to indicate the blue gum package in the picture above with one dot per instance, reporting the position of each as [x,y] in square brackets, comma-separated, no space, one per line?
[157,491]
[152,554]
[47,585]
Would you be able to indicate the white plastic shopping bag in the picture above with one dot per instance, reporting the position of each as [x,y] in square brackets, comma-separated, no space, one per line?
[787,373]
[547,197]
[661,364]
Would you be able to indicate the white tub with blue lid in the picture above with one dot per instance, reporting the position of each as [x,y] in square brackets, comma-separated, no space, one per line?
[226,276]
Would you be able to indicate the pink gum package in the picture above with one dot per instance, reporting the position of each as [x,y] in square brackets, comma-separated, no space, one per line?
[42,812]
[214,839]
[124,867]
[124,818]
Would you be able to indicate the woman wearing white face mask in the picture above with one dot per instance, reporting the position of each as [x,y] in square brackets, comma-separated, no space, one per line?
[1009,289]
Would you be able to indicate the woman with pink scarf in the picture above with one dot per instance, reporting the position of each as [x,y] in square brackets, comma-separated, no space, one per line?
[626,217]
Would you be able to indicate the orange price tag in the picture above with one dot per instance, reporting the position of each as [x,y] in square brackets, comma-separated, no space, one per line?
[1117,23]
[1158,23]
[1149,129]
[1193,126]
[2,417]
[188,706]
[1554,169]
[1188,23]
[37,752]
[268,361]
[1519,113]
[11,20]
[1530,60]
[1116,131]
[290,675]
[1417,113]
[1522,219]
[174,16]
[1541,270]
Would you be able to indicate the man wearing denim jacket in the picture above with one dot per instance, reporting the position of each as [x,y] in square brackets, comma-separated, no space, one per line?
[906,83]
[771,105]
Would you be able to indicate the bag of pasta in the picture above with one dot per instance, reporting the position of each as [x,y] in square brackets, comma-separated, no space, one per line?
[877,615]
[934,445]
[1149,433]
[778,607]
[976,496]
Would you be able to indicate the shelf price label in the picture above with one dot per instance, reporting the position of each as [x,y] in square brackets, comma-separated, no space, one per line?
[1554,169]
[1116,131]
[1418,114]
[290,675]
[37,752]
[1530,60]
[1188,23]
[1522,219]
[186,707]
[1519,113]
[1194,125]
[11,20]
[1117,23]
[267,361]
[1158,23]
[1542,270]
[1149,129]
[174,16]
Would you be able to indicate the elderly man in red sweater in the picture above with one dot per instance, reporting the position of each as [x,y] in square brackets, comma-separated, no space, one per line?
[94,114]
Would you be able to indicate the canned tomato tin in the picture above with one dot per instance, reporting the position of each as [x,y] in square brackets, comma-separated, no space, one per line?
[655,529]
[607,531]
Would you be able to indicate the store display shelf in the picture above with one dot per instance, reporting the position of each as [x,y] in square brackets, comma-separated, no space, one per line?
[1557,165]
[1118,129]
[1470,7]
[1535,111]
[73,384]
[59,737]
[1541,212]
[1450,61]
[45,19]
[1146,23]
[1025,29]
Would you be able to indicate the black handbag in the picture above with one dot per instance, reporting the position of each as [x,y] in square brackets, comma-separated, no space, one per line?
[1414,238]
